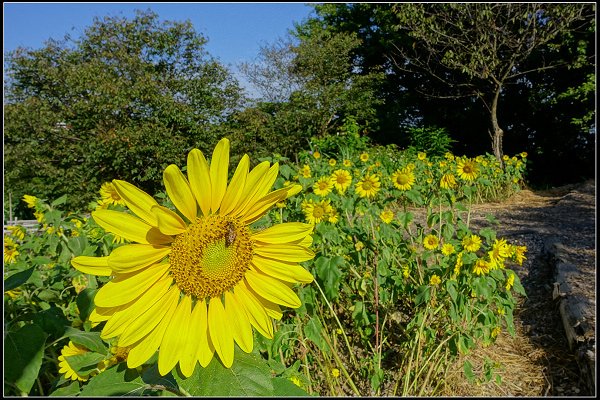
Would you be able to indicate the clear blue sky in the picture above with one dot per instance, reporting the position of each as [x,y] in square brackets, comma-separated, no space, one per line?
[235,31]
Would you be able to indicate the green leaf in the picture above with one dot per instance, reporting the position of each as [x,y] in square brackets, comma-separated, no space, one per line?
[329,273]
[52,321]
[69,390]
[89,340]
[23,352]
[16,280]
[61,200]
[468,369]
[248,376]
[85,303]
[115,381]
[285,387]
[312,331]
[84,362]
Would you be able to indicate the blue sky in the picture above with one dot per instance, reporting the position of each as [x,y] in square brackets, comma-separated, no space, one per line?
[235,31]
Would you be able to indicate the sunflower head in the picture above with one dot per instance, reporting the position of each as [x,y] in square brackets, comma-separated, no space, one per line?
[467,169]
[341,180]
[368,186]
[403,179]
[193,281]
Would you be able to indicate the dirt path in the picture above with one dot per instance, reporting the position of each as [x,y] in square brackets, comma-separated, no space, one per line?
[538,361]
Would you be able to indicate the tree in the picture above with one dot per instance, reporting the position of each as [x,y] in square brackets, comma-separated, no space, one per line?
[123,101]
[475,49]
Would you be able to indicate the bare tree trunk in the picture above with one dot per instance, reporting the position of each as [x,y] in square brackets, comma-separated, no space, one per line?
[498,133]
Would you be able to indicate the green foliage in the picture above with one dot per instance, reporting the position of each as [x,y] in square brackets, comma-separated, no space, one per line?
[120,102]
[432,140]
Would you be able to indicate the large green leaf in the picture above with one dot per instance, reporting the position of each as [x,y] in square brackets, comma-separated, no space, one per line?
[116,381]
[285,387]
[16,280]
[89,340]
[23,352]
[248,376]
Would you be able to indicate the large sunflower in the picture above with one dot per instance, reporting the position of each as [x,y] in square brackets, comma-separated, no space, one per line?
[403,179]
[197,280]
[467,169]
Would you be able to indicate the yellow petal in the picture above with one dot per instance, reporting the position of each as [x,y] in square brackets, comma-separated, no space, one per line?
[100,314]
[136,200]
[133,257]
[146,322]
[254,310]
[272,289]
[175,339]
[220,331]
[262,188]
[92,265]
[187,356]
[219,167]
[251,187]
[289,272]
[284,252]
[263,205]
[169,222]
[129,227]
[199,325]
[145,348]
[283,233]
[127,287]
[236,186]
[179,192]
[121,320]
[272,309]
[199,176]
[240,325]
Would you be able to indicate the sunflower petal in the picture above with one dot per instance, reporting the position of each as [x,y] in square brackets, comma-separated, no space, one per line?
[122,319]
[179,192]
[169,222]
[220,333]
[240,325]
[136,200]
[283,233]
[127,287]
[219,167]
[199,176]
[199,324]
[92,265]
[129,227]
[272,289]
[236,186]
[254,310]
[133,257]
[141,351]
[264,204]
[175,339]
[262,188]
[285,252]
[289,272]
[251,187]
[272,309]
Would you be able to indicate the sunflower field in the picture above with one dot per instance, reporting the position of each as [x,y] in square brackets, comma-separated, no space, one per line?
[353,272]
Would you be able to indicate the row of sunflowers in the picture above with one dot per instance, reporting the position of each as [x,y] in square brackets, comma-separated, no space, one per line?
[374,250]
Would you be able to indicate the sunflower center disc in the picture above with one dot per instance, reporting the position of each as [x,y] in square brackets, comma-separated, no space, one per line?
[211,257]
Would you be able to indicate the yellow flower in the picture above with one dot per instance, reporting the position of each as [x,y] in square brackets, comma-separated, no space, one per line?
[323,186]
[359,246]
[316,154]
[510,281]
[335,372]
[467,170]
[280,204]
[501,311]
[448,181]
[523,154]
[448,249]
[449,156]
[505,157]
[332,162]
[430,242]
[305,171]
[30,200]
[109,195]
[10,250]
[496,331]
[39,216]
[364,157]
[316,212]
[500,251]
[341,180]
[334,217]
[64,368]
[405,271]
[347,163]
[421,155]
[196,281]
[403,179]
[458,263]
[481,267]
[518,252]
[471,243]
[434,280]
[17,231]
[368,186]
[386,216]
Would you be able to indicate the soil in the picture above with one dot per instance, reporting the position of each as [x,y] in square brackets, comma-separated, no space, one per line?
[538,361]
